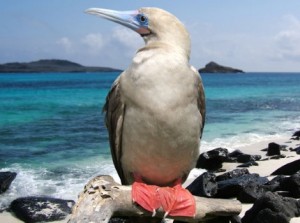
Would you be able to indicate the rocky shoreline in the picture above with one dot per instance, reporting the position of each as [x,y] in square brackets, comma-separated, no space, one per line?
[267,183]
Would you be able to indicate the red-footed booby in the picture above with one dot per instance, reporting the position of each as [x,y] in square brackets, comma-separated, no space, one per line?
[155,112]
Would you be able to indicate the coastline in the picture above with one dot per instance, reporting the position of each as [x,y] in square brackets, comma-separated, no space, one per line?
[265,168]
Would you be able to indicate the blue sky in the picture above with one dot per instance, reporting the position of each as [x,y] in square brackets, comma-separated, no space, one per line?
[254,35]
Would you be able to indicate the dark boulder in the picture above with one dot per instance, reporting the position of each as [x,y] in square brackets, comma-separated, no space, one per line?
[41,209]
[273,149]
[245,158]
[213,159]
[272,208]
[288,169]
[251,192]
[232,187]
[6,178]
[296,135]
[297,150]
[232,157]
[275,183]
[235,153]
[232,174]
[292,185]
[204,185]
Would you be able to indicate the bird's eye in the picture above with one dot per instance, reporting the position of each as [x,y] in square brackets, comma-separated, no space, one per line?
[143,20]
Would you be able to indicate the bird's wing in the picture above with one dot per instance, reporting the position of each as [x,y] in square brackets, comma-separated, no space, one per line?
[200,98]
[114,115]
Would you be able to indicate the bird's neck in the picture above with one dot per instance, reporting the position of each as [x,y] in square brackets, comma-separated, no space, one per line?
[167,47]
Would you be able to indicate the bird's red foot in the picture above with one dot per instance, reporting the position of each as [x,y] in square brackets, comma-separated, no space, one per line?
[175,201]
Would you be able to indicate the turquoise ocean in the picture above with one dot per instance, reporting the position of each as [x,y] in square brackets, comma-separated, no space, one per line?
[52,130]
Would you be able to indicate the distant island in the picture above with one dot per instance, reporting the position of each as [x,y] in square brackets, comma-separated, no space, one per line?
[213,67]
[47,66]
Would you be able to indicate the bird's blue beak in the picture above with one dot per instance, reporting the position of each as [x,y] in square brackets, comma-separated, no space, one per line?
[131,19]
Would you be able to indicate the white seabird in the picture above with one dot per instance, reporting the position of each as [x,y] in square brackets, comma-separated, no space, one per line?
[155,110]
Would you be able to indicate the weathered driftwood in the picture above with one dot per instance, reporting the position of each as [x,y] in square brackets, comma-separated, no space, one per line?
[103,198]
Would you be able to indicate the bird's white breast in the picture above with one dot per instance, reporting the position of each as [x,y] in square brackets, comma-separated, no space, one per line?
[161,127]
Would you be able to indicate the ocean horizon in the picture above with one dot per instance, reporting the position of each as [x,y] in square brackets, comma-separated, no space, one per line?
[52,130]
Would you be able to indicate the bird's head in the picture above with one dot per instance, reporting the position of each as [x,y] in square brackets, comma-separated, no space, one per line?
[153,24]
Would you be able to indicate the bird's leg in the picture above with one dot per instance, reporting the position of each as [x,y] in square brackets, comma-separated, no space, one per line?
[175,201]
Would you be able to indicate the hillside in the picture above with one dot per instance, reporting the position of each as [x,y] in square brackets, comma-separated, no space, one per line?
[47,66]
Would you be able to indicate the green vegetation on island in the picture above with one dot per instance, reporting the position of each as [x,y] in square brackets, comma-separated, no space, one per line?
[53,65]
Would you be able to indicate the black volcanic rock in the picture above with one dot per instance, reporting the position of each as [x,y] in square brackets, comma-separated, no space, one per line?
[272,208]
[273,149]
[232,157]
[213,67]
[54,65]
[296,134]
[251,192]
[41,209]
[245,158]
[6,179]
[292,185]
[204,185]
[213,159]
[232,187]
[248,164]
[276,183]
[288,169]
[232,174]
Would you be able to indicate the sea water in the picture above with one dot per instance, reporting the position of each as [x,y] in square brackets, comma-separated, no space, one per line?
[52,130]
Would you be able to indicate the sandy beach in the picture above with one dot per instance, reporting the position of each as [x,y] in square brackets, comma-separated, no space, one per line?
[265,168]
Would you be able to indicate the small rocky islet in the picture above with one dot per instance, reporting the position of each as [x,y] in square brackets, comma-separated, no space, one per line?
[213,67]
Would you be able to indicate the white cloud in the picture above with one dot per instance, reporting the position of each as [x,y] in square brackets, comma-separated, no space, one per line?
[94,41]
[288,40]
[66,43]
